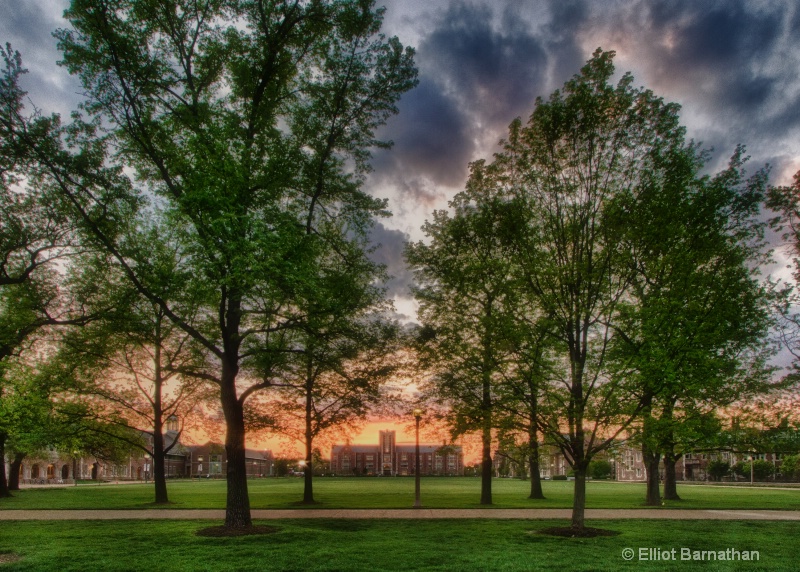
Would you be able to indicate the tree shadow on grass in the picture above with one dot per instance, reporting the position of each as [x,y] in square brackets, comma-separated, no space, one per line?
[585,532]
[224,531]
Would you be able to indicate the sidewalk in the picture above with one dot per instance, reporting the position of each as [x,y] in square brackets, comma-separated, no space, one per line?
[427,514]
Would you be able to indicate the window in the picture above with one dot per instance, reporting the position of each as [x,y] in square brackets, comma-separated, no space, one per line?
[215,464]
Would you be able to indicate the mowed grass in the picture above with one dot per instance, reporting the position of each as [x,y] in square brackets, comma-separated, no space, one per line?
[339,545]
[388,492]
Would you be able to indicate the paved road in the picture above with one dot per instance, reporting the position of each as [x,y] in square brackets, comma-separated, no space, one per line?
[529,514]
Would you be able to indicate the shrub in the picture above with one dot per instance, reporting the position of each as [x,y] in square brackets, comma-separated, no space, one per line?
[762,470]
[790,467]
[600,469]
[718,469]
[559,477]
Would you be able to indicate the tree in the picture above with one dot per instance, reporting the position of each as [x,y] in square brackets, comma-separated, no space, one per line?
[790,467]
[786,202]
[520,394]
[697,317]
[338,359]
[36,418]
[137,368]
[463,285]
[35,239]
[247,126]
[339,373]
[571,169]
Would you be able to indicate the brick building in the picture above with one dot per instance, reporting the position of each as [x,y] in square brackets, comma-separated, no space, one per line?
[182,461]
[209,460]
[390,458]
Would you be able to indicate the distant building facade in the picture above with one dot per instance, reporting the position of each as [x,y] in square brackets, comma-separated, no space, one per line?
[182,461]
[389,458]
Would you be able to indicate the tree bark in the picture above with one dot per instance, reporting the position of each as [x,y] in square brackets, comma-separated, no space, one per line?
[533,443]
[308,474]
[159,476]
[237,507]
[670,484]
[651,461]
[13,478]
[579,496]
[4,492]
[486,466]
[486,410]
[159,465]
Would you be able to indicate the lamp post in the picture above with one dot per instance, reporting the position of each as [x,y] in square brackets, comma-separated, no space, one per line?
[417,415]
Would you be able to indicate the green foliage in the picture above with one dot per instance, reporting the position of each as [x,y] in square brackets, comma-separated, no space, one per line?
[761,469]
[600,469]
[717,469]
[282,466]
[245,128]
[790,467]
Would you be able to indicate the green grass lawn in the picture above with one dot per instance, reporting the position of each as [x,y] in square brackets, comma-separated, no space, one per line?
[454,492]
[337,545]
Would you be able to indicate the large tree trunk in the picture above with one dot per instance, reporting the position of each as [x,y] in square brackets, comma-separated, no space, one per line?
[4,492]
[579,496]
[651,456]
[308,474]
[670,484]
[533,461]
[237,507]
[159,476]
[486,466]
[651,461]
[533,444]
[13,478]
[486,410]
[159,468]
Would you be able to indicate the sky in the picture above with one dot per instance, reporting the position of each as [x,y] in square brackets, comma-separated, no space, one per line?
[731,64]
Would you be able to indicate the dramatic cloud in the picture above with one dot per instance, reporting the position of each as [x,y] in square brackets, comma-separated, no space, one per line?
[732,65]
[491,64]
[389,252]
[431,138]
[28,27]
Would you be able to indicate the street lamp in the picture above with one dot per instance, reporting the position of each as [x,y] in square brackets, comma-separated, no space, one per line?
[417,415]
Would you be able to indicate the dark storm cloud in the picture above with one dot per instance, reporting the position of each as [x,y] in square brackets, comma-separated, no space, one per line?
[390,245]
[431,137]
[566,19]
[479,68]
[720,51]
[492,63]
[28,27]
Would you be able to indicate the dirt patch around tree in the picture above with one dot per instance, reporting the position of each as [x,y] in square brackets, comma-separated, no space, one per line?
[9,558]
[585,532]
[224,531]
